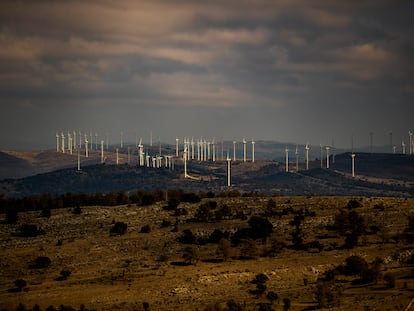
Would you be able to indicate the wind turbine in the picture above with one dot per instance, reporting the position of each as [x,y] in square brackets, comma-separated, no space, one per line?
[63,142]
[102,151]
[297,158]
[185,161]
[141,153]
[96,140]
[122,139]
[80,139]
[307,156]
[228,171]
[91,141]
[286,159]
[353,164]
[74,140]
[117,156]
[192,148]
[176,146]
[253,142]
[403,147]
[70,142]
[327,156]
[234,150]
[321,154]
[244,149]
[214,150]
[57,142]
[79,168]
[86,147]
[410,134]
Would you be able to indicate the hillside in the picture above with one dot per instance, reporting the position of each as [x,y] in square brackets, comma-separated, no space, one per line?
[203,256]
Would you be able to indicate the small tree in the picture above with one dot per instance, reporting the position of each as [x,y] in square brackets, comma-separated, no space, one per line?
[119,228]
[286,304]
[41,262]
[224,249]
[20,283]
[191,255]
[389,279]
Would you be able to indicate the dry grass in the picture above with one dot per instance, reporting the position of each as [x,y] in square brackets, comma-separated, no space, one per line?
[122,272]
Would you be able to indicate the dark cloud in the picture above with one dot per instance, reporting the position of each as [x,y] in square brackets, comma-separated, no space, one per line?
[287,70]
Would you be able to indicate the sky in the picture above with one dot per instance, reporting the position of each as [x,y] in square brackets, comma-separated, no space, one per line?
[317,71]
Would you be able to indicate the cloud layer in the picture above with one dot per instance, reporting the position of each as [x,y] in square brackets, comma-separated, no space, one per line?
[292,70]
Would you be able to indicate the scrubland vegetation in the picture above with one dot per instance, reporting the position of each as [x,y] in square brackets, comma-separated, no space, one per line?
[187,251]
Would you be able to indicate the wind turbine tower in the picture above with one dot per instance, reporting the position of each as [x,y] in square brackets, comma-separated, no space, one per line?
[307,156]
[176,146]
[74,140]
[102,151]
[122,139]
[286,159]
[353,164]
[410,134]
[297,158]
[57,142]
[403,147]
[185,161]
[327,156]
[79,159]
[244,149]
[86,147]
[117,156]
[192,148]
[228,171]
[96,140]
[321,154]
[63,142]
[253,142]
[234,150]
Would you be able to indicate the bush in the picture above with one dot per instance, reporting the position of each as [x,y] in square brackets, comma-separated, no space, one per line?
[389,279]
[165,223]
[353,204]
[12,215]
[20,283]
[260,278]
[119,228]
[77,210]
[46,213]
[145,229]
[191,255]
[29,230]
[64,274]
[224,249]
[355,265]
[188,237]
[260,227]
[41,262]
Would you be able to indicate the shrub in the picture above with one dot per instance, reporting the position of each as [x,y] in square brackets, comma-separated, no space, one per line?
[260,227]
[351,225]
[286,304]
[41,262]
[20,283]
[145,229]
[353,204]
[77,210]
[191,255]
[12,215]
[64,274]
[188,237]
[355,265]
[29,230]
[389,279]
[165,223]
[272,296]
[46,213]
[260,278]
[224,249]
[119,228]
